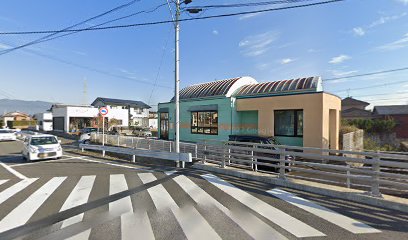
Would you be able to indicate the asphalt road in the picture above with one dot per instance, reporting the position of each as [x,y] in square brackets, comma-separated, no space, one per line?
[81,197]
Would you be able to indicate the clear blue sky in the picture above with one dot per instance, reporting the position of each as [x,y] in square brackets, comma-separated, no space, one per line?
[335,40]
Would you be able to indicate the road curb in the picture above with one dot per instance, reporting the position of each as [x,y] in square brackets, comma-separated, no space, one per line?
[390,202]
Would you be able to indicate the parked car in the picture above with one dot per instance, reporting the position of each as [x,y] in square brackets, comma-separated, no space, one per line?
[264,141]
[7,135]
[142,132]
[41,146]
[24,133]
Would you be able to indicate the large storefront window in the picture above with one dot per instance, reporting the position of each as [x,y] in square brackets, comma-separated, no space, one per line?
[204,123]
[289,123]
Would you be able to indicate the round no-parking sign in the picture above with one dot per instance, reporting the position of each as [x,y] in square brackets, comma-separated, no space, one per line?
[103,111]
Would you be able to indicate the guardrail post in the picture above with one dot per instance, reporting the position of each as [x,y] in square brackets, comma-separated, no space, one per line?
[134,158]
[82,149]
[132,141]
[252,159]
[183,164]
[205,152]
[229,156]
[103,153]
[256,160]
[170,146]
[196,151]
[223,159]
[348,177]
[148,144]
[282,158]
[375,185]
[118,140]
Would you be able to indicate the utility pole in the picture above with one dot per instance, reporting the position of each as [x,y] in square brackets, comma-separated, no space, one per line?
[177,78]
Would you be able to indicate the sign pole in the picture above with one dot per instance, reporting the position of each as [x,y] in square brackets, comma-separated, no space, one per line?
[103,130]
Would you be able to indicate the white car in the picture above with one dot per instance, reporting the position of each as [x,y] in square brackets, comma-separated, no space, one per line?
[7,135]
[41,146]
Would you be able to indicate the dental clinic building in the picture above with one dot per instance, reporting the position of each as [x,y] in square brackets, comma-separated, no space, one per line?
[296,112]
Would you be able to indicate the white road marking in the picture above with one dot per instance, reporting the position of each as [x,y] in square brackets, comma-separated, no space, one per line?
[80,236]
[3,181]
[287,222]
[52,160]
[136,226]
[78,196]
[12,171]
[118,184]
[190,220]
[255,227]
[170,172]
[116,165]
[340,220]
[23,212]
[9,192]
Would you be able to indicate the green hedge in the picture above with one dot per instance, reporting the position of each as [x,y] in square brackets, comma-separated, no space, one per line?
[15,124]
[372,125]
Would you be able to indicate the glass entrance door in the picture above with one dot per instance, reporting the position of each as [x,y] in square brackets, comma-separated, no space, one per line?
[164,125]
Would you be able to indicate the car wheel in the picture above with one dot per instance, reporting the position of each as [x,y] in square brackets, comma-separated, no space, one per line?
[87,142]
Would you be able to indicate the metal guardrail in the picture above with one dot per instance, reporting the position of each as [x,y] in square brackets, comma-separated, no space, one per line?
[144,143]
[373,170]
[172,156]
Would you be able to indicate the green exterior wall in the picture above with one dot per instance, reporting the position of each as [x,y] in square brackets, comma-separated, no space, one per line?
[229,121]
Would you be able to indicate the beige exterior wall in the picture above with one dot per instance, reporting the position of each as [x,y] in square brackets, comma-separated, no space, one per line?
[318,120]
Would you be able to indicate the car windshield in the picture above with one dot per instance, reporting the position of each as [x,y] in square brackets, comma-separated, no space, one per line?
[43,141]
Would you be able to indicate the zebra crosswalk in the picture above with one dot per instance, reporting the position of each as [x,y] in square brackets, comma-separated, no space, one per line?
[186,201]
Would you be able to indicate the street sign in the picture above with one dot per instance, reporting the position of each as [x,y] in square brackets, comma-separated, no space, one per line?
[103,111]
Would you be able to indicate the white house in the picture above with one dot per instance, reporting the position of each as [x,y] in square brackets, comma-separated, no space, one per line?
[68,118]
[44,121]
[138,111]
[153,120]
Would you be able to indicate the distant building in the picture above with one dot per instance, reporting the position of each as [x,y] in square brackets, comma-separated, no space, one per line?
[44,121]
[153,120]
[354,109]
[138,111]
[14,116]
[399,113]
[68,118]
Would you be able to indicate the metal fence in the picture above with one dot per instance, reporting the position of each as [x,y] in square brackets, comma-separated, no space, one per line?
[374,171]
[144,143]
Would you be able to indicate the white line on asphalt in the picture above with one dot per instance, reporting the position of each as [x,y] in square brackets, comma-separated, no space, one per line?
[136,226]
[23,212]
[287,222]
[52,160]
[12,171]
[9,192]
[3,181]
[340,220]
[118,184]
[80,236]
[170,172]
[189,219]
[78,196]
[255,227]
[116,165]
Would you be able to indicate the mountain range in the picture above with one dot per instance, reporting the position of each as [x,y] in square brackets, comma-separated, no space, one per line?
[29,107]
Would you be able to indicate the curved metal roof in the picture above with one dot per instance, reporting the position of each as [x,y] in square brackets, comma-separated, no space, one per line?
[211,89]
[293,85]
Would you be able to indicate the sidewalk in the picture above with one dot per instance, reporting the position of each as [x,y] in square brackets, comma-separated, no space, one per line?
[387,201]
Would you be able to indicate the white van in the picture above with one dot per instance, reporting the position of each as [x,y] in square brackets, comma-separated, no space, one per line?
[41,146]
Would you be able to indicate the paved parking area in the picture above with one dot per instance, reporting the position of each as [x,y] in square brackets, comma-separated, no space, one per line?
[82,197]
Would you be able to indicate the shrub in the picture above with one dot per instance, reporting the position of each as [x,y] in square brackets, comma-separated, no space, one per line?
[372,125]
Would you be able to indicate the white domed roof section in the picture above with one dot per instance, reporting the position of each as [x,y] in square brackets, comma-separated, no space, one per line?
[218,88]
[243,81]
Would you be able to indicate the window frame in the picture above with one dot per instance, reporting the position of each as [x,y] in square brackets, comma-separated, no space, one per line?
[295,122]
[202,127]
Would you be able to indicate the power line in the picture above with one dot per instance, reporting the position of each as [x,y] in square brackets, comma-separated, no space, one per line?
[70,33]
[72,26]
[255,4]
[103,72]
[373,86]
[170,21]
[380,94]
[367,74]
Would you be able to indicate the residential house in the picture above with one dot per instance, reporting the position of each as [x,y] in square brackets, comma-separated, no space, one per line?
[138,111]
[7,118]
[297,112]
[153,120]
[397,112]
[354,109]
